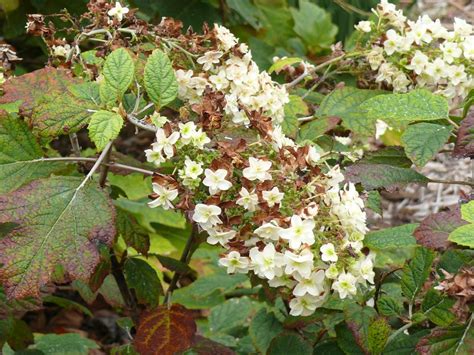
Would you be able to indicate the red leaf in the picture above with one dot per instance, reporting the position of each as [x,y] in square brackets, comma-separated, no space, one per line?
[165,331]
[464,146]
[434,230]
[29,88]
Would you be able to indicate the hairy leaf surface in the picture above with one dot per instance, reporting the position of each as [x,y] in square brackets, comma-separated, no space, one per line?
[118,72]
[104,126]
[57,224]
[159,78]
[416,272]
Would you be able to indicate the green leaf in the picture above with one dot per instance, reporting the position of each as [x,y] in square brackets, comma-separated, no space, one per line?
[438,308]
[59,222]
[295,107]
[316,128]
[119,71]
[263,328]
[374,176]
[377,336]
[404,344]
[417,105]
[314,25]
[104,127]
[463,235]
[281,63]
[19,154]
[467,211]
[346,103]
[423,140]
[67,304]
[374,202]
[395,237]
[416,272]
[64,344]
[229,315]
[159,78]
[346,340]
[175,265]
[87,91]
[289,343]
[17,308]
[458,340]
[394,156]
[389,306]
[143,279]
[132,233]
[247,10]
[15,332]
[358,319]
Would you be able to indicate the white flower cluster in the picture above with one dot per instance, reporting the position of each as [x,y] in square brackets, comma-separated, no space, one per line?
[238,77]
[260,196]
[423,53]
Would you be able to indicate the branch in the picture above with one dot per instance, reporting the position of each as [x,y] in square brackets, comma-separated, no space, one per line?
[455,182]
[132,119]
[96,165]
[81,159]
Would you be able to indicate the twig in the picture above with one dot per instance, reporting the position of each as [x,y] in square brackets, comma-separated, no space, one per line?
[185,256]
[105,169]
[307,118]
[81,159]
[76,148]
[454,182]
[126,293]
[96,165]
[398,331]
[141,124]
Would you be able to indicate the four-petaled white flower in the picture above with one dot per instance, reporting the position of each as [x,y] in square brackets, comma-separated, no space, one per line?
[165,197]
[216,181]
[364,26]
[328,252]
[269,230]
[248,200]
[188,131]
[207,215]
[313,284]
[220,236]
[267,263]
[305,305]
[192,169]
[273,197]
[235,263]
[154,156]
[118,11]
[61,51]
[164,143]
[258,170]
[300,232]
[345,285]
[299,264]
[209,58]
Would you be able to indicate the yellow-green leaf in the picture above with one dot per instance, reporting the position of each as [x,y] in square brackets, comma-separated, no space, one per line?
[104,126]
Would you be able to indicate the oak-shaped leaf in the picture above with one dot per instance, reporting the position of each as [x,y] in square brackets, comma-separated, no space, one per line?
[165,331]
[434,230]
[59,222]
[19,155]
[31,87]
[464,146]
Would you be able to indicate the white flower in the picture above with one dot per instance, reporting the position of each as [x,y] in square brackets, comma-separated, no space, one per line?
[419,33]
[462,28]
[332,272]
[393,42]
[118,11]
[313,156]
[418,62]
[364,26]
[267,262]
[283,280]
[2,78]
[154,156]
[364,268]
[468,47]
[375,57]
[300,232]
[226,38]
[235,263]
[450,50]
[158,120]
[220,80]
[207,215]
[437,69]
[345,285]
[209,58]
[200,139]
[299,264]
[258,170]
[328,252]
[279,138]
[269,231]
[165,143]
[61,51]
[216,181]
[305,305]
[165,197]
[220,236]
[313,284]
[456,73]
[273,197]
[192,170]
[188,131]
[248,200]
[400,82]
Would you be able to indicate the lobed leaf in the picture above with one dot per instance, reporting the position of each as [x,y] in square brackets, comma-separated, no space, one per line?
[165,331]
[104,127]
[423,140]
[248,11]
[19,156]
[58,223]
[160,80]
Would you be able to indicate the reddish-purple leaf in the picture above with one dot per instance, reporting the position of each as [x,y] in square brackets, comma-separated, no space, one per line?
[464,146]
[434,230]
[165,331]
[56,223]
[204,346]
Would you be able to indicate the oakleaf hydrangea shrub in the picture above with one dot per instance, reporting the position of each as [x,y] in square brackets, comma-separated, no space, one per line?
[277,209]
